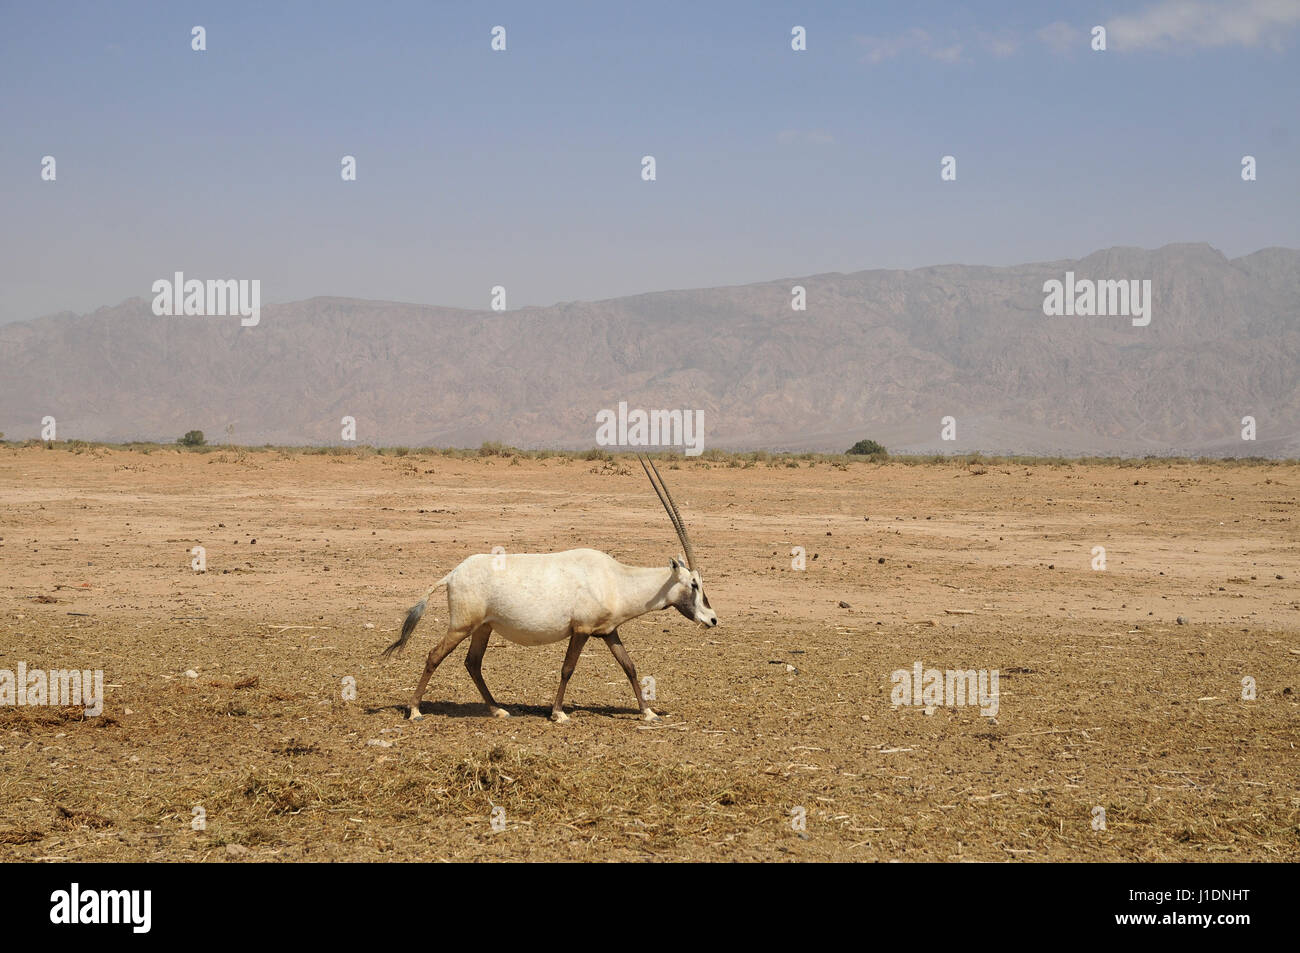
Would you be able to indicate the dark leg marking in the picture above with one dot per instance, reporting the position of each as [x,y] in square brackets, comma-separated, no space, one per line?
[576,642]
[625,660]
[478,644]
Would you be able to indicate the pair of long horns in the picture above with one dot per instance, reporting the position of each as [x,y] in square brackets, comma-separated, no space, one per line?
[661,490]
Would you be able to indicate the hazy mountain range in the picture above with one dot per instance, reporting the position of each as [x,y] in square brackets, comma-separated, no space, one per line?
[880,354]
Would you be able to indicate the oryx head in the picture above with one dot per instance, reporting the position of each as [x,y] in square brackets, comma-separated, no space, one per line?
[686,594]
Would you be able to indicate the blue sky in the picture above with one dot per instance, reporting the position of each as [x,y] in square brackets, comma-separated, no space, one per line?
[522,168]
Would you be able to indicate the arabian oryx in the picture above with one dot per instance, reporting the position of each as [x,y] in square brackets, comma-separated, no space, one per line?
[539,598]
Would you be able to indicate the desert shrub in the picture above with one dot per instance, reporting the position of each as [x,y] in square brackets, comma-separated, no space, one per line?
[867,448]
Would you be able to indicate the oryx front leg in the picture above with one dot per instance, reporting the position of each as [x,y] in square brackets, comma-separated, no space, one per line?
[576,642]
[439,652]
[629,670]
[478,644]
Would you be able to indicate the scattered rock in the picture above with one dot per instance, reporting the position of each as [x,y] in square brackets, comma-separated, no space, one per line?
[190,673]
[236,850]
[379,743]
[1182,621]
[845,605]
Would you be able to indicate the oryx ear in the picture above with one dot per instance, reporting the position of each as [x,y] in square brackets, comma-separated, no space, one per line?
[674,564]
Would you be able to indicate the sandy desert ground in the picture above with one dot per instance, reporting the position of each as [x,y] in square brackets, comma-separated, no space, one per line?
[1106,699]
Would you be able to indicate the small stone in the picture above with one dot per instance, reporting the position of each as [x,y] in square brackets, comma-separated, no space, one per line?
[845,605]
[190,673]
[236,850]
[791,669]
[379,743]
[1182,621]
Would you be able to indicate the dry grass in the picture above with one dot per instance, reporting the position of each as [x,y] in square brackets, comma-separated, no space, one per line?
[1106,699]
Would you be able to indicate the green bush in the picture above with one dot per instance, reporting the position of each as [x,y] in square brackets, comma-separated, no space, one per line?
[868,448]
[193,438]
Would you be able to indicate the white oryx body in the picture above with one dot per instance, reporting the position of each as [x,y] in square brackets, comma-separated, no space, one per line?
[540,598]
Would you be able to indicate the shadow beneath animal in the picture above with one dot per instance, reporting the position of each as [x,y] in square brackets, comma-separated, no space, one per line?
[480,710]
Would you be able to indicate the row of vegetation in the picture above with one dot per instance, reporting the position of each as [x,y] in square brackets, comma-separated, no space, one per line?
[865,451]
[867,448]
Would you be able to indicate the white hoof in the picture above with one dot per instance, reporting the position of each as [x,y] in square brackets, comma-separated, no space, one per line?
[650,715]
[559,716]
[500,713]
[415,715]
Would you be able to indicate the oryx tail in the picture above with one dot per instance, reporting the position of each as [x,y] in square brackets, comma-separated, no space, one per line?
[413,617]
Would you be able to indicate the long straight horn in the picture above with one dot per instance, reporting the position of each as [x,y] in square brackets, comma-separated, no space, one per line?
[666,499]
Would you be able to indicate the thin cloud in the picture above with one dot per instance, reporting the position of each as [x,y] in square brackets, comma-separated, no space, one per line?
[1175,24]
[1001,45]
[877,49]
[1060,37]
[918,42]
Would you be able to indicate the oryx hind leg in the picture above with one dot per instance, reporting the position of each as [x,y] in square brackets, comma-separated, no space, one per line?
[576,642]
[625,660]
[478,644]
[453,638]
